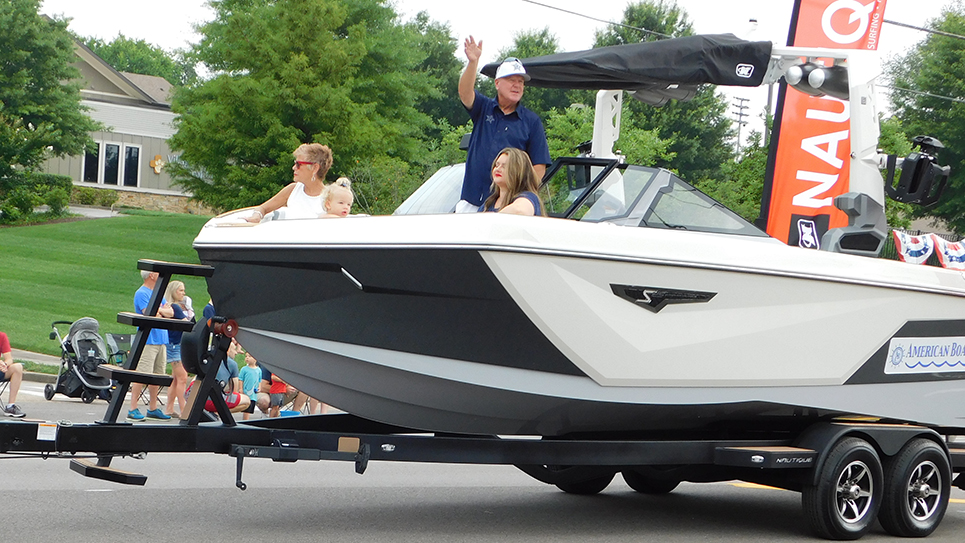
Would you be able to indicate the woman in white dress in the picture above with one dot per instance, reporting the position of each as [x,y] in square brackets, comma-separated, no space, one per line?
[303,197]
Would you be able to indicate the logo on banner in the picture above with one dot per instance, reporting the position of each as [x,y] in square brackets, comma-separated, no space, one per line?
[856,12]
[745,70]
[807,234]
[914,355]
[806,231]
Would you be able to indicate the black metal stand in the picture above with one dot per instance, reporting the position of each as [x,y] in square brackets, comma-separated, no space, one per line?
[145,323]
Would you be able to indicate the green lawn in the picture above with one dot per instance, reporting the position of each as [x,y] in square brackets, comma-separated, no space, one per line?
[86,268]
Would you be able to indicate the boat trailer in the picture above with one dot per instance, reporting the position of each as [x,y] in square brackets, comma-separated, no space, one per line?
[849,471]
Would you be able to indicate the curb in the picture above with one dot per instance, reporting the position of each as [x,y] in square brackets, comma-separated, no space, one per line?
[39,377]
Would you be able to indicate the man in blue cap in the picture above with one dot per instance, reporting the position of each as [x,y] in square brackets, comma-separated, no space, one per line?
[497,124]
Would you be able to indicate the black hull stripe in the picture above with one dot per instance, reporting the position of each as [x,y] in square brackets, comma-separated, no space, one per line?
[441,303]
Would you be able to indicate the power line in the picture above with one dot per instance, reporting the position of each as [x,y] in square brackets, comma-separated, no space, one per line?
[928,30]
[644,30]
[923,93]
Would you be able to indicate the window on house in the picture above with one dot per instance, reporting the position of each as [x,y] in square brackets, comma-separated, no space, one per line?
[112,166]
[132,166]
[91,164]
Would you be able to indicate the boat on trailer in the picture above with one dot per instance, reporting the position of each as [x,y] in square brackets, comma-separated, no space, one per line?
[642,305]
[644,330]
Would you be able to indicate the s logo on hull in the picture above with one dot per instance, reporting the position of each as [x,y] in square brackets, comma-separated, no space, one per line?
[654,299]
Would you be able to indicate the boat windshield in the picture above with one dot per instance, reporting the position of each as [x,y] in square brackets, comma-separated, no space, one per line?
[628,195]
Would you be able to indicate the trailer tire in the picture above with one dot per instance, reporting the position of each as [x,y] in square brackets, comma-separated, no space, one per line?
[917,489]
[648,485]
[844,502]
[587,487]
[49,392]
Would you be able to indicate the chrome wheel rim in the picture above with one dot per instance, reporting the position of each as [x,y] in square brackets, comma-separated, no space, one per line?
[855,488]
[924,490]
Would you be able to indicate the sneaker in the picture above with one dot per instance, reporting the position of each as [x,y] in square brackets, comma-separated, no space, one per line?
[158,414]
[135,415]
[13,410]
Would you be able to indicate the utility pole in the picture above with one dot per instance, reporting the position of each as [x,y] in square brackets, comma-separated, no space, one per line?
[741,114]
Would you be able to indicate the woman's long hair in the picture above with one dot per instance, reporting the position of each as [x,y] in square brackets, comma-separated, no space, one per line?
[173,287]
[520,177]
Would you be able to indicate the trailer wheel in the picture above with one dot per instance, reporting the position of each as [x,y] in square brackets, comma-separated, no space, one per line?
[587,487]
[648,485]
[87,396]
[49,392]
[844,502]
[917,488]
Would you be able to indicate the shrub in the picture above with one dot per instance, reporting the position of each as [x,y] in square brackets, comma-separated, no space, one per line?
[57,199]
[8,213]
[23,199]
[106,197]
[84,196]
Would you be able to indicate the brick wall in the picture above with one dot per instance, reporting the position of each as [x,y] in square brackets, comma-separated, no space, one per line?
[161,202]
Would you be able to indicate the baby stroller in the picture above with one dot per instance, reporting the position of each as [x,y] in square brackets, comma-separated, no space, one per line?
[80,353]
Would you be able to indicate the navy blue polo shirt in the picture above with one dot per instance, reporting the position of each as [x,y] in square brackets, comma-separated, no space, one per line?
[493,131]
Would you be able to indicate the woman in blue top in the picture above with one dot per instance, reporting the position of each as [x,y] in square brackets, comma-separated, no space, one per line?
[182,311]
[514,185]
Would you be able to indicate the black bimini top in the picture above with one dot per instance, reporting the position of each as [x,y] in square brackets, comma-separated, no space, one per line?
[657,70]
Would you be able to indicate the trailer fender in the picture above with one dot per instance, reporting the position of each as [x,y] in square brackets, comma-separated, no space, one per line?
[887,439]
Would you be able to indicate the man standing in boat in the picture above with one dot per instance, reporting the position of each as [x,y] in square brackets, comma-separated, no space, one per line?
[497,124]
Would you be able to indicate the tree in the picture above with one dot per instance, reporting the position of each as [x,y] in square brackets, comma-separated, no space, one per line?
[648,20]
[40,110]
[443,69]
[936,66]
[894,141]
[698,130]
[343,73]
[742,183]
[567,129]
[139,57]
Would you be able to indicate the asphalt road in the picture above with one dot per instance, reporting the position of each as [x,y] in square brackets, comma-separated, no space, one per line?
[192,497]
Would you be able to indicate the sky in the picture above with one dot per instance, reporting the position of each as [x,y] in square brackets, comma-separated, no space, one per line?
[170,24]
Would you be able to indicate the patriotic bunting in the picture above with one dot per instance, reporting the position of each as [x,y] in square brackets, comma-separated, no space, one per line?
[914,249]
[950,254]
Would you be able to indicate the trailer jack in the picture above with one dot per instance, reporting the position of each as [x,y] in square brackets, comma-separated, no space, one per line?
[288,451]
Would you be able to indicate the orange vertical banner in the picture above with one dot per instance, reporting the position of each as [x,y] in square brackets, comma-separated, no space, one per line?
[809,162]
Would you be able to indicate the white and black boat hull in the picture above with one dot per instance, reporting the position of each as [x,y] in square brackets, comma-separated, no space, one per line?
[512,331]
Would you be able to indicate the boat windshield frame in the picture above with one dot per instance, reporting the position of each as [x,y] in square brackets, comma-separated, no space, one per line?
[607,190]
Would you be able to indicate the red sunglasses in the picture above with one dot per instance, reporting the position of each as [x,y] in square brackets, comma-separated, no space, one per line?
[300,163]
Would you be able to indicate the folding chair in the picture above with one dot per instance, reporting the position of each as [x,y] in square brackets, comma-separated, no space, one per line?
[120,347]
[3,388]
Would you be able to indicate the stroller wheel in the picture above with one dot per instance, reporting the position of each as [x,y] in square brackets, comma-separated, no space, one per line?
[49,392]
[87,396]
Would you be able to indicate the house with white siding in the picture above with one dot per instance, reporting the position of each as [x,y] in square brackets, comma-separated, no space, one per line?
[130,155]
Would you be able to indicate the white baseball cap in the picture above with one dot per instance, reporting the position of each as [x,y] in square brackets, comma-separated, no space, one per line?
[511,66]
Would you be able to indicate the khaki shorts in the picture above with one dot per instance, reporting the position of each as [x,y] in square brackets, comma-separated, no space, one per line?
[154,359]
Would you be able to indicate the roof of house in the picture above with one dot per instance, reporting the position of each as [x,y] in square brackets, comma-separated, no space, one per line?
[156,87]
[103,83]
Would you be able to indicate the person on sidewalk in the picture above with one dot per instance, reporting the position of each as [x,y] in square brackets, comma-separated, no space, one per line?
[154,356]
[13,372]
